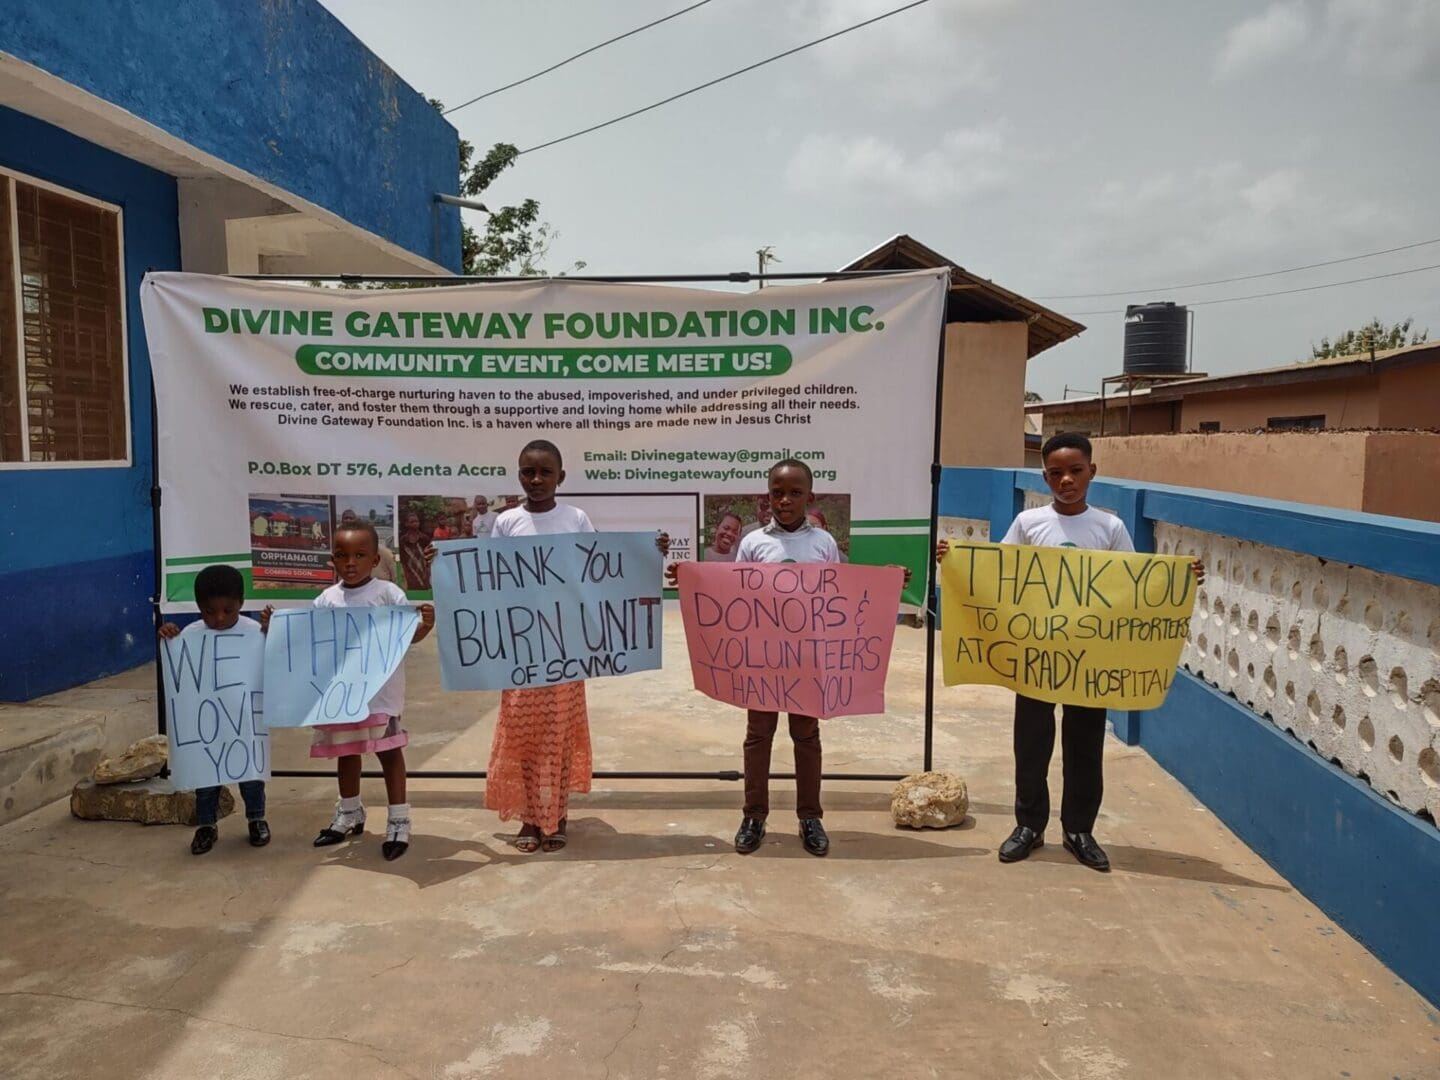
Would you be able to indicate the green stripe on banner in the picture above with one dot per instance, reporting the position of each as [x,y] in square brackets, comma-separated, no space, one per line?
[205,560]
[880,549]
[889,523]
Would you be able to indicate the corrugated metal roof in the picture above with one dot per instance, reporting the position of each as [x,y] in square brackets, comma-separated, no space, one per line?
[972,298]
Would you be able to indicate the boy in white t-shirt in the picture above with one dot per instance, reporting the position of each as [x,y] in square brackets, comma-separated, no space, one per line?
[788,537]
[1069,521]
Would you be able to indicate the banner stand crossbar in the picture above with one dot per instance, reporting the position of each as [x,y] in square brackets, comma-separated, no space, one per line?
[739,277]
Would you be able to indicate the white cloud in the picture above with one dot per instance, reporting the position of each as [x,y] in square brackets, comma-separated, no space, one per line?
[1172,227]
[1390,38]
[914,59]
[1262,39]
[963,163]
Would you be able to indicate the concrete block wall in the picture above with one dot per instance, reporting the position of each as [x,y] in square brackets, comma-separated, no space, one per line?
[1339,656]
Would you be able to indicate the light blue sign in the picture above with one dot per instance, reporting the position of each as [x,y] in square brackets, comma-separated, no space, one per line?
[323,665]
[530,611]
[213,705]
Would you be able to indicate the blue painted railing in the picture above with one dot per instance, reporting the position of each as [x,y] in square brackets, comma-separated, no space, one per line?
[1371,866]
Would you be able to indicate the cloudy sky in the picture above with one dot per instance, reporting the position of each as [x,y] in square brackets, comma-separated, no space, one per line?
[1057,148]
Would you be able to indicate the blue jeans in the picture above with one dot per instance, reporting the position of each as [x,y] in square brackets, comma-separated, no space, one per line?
[207,802]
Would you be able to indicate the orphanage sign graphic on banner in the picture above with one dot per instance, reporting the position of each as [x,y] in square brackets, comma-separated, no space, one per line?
[285,410]
[1063,625]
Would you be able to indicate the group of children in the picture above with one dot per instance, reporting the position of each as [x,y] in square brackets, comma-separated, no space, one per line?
[541,751]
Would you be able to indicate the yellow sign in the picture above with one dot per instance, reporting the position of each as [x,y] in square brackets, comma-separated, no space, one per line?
[1074,627]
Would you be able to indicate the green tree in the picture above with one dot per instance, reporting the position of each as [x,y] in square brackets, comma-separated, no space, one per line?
[1373,337]
[514,240]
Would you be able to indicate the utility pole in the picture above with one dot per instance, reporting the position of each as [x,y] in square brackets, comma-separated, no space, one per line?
[763,258]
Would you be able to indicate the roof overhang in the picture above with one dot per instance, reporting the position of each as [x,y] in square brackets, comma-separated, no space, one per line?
[251,225]
[973,298]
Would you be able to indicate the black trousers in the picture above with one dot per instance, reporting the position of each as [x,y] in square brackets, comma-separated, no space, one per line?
[1082,745]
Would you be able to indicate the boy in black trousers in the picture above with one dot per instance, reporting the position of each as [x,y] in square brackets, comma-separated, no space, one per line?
[1069,521]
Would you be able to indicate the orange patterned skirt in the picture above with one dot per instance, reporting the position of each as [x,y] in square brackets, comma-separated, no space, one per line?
[541,754]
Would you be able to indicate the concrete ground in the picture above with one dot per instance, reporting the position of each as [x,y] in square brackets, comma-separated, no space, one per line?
[649,949]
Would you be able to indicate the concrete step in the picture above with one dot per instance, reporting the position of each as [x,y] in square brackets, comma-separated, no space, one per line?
[50,744]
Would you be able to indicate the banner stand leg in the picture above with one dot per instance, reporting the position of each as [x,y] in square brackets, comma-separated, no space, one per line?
[155,600]
[932,582]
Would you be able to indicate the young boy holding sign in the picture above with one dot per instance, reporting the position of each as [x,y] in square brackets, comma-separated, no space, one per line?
[219,594]
[1069,521]
[788,537]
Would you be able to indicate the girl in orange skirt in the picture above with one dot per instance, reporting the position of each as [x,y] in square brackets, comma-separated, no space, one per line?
[541,754]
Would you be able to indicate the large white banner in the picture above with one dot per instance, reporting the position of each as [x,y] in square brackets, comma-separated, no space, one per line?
[286,410]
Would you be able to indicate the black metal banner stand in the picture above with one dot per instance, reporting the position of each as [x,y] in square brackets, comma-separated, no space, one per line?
[740,278]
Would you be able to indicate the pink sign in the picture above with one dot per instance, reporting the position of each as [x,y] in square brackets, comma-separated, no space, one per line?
[807,638]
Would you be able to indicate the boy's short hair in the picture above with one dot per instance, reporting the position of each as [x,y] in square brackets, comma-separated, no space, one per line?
[545,446]
[360,526]
[219,583]
[792,463]
[1066,440]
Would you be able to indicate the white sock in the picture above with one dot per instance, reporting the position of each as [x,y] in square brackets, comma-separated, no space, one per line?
[398,825]
[349,812]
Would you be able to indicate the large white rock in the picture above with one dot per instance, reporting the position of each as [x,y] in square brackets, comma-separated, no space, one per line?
[144,759]
[930,800]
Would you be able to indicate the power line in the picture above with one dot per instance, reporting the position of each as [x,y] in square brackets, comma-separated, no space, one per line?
[724,78]
[577,56]
[1243,277]
[1279,292]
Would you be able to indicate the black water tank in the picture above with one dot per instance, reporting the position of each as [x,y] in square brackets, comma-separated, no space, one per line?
[1155,339]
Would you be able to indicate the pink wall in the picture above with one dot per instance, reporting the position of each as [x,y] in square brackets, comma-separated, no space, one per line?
[1378,472]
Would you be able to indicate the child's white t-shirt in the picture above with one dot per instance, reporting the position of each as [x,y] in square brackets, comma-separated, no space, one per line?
[390,699]
[1093,530]
[243,625]
[772,544]
[562,519]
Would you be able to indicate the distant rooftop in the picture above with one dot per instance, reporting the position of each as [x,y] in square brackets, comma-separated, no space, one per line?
[1333,367]
[972,298]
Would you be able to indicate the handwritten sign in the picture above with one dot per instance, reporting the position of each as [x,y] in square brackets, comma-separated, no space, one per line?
[807,638]
[214,705]
[530,611]
[1059,624]
[323,665]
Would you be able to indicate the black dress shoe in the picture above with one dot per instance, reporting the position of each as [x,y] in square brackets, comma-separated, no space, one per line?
[393,849]
[1083,846]
[1020,843]
[329,836]
[752,831]
[812,835]
[259,833]
[204,839]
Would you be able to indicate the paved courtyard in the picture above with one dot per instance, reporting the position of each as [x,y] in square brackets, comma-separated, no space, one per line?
[649,949]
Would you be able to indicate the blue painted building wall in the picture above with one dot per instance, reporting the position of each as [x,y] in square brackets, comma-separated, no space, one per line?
[1371,866]
[280,89]
[78,545]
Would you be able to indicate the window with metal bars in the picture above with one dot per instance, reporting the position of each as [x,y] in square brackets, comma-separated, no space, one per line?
[63,388]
